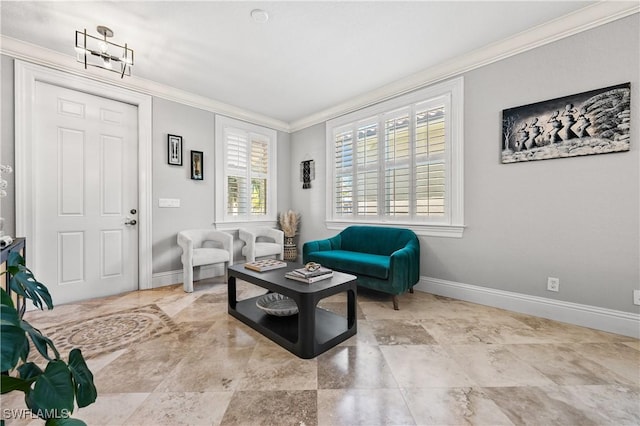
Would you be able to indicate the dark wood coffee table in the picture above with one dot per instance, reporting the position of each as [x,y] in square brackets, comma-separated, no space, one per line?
[312,330]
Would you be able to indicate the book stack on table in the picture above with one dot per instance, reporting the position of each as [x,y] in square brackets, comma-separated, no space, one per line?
[306,276]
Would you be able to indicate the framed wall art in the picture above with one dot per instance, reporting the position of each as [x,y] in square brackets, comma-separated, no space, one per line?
[593,122]
[197,158]
[174,150]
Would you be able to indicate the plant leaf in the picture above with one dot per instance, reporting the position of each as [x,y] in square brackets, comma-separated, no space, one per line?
[86,392]
[53,393]
[10,383]
[12,337]
[68,421]
[29,371]
[25,284]
[40,341]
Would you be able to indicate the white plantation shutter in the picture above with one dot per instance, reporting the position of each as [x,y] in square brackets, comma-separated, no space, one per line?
[259,175]
[397,165]
[400,163]
[237,168]
[248,158]
[366,175]
[343,186]
[430,162]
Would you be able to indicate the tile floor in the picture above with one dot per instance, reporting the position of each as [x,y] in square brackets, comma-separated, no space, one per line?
[436,361]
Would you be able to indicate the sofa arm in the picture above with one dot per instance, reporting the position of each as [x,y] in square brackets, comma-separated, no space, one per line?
[333,243]
[404,267]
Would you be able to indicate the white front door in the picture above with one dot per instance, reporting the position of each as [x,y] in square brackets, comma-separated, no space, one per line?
[85,181]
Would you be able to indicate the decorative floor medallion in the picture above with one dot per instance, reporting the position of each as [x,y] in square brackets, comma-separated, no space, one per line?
[110,332]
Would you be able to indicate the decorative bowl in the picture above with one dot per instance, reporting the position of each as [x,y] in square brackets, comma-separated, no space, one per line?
[277,304]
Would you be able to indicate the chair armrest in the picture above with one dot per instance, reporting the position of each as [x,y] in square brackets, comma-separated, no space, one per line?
[276,234]
[224,238]
[186,244]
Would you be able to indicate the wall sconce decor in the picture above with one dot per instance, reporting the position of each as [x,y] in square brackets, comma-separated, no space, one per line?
[101,53]
[307,173]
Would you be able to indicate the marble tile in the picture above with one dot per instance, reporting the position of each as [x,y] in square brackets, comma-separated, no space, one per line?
[528,405]
[383,310]
[425,366]
[362,367]
[400,332]
[142,367]
[251,407]
[273,368]
[181,408]
[206,370]
[452,331]
[495,365]
[549,331]
[453,406]
[616,357]
[435,361]
[369,407]
[566,366]
[596,402]
[110,409]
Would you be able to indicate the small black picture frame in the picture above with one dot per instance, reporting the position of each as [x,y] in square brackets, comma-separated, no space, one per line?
[174,150]
[197,165]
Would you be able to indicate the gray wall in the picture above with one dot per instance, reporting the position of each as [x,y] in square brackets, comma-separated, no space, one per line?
[196,209]
[576,219]
[196,196]
[7,204]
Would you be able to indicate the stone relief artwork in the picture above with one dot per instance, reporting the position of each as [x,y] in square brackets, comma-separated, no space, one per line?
[594,122]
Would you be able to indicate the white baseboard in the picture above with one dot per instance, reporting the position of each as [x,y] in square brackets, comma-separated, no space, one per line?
[161,279]
[619,322]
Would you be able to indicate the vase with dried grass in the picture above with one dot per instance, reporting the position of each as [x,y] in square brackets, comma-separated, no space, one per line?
[289,222]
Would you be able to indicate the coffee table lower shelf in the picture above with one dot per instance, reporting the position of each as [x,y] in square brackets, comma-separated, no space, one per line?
[284,330]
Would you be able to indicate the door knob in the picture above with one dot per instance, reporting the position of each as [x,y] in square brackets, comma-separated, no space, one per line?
[131,222]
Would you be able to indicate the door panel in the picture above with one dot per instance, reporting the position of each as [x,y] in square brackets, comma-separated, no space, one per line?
[85,175]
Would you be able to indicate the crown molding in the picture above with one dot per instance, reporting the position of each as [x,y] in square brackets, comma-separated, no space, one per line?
[581,20]
[46,57]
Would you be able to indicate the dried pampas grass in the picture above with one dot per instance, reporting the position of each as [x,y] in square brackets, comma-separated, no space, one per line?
[289,222]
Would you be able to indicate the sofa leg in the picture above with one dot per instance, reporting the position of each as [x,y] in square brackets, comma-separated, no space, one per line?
[395,302]
[411,290]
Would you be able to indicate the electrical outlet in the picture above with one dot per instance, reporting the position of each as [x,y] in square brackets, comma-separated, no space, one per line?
[636,297]
[553,284]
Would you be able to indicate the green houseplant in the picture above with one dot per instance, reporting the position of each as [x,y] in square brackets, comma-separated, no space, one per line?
[50,394]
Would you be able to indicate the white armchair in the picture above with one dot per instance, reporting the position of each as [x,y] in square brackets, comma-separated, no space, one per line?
[262,241]
[196,253]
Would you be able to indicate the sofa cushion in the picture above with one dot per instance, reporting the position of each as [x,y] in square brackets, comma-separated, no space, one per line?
[373,265]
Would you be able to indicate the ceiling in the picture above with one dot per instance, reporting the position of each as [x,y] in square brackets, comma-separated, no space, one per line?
[308,57]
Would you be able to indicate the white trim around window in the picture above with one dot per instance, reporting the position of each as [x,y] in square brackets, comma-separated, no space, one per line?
[236,142]
[379,175]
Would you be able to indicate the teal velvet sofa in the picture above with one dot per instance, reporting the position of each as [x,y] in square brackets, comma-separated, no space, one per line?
[383,259]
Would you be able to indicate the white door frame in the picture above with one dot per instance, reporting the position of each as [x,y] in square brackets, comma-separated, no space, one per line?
[26,75]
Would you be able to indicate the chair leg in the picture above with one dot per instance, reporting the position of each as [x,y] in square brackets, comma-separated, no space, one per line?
[395,302]
[187,273]
[411,290]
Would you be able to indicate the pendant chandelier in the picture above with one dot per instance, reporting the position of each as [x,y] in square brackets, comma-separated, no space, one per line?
[101,53]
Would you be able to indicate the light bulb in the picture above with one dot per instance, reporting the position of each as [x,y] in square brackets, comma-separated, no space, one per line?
[106,62]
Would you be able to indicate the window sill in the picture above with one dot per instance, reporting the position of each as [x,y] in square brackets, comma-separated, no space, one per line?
[427,230]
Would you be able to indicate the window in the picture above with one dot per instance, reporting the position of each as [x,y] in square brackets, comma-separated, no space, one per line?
[245,162]
[400,163]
